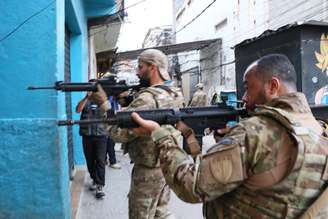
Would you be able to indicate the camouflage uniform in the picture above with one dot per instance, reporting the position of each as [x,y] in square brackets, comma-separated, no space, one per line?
[149,194]
[239,177]
[199,98]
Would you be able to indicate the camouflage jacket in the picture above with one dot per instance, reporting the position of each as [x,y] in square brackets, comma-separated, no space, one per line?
[199,98]
[142,150]
[237,178]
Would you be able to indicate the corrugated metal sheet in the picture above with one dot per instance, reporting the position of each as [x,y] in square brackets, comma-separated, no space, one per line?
[168,50]
[268,33]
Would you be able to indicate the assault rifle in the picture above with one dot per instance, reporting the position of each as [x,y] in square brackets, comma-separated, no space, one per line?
[112,85]
[197,118]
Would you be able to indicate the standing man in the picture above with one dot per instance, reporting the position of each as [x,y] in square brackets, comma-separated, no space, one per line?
[149,194]
[271,165]
[200,97]
[94,140]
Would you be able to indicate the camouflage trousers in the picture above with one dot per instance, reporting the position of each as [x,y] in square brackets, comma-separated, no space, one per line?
[149,194]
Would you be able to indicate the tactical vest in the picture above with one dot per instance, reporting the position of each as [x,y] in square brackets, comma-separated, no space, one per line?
[91,111]
[142,151]
[293,193]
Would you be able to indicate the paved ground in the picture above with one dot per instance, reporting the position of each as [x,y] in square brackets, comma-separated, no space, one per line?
[115,203]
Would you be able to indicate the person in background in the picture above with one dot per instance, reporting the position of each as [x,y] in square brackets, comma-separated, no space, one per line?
[200,97]
[214,99]
[94,140]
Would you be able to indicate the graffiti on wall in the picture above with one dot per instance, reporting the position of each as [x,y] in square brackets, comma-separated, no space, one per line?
[321,96]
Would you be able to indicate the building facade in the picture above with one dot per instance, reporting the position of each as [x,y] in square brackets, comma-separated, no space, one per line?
[233,22]
[41,42]
[158,36]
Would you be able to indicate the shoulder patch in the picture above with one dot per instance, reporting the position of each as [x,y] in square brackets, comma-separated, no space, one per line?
[221,169]
[223,166]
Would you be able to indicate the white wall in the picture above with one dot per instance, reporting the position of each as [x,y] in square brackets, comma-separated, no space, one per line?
[244,19]
[203,28]
[284,12]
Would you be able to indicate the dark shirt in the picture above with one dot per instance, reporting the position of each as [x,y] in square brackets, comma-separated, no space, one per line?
[91,111]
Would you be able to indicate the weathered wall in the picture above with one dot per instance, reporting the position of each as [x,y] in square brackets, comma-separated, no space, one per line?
[33,156]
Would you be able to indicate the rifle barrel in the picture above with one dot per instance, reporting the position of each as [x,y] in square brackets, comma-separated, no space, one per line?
[81,122]
[41,88]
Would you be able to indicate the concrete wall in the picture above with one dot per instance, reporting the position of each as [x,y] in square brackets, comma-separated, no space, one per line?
[33,157]
[282,12]
[77,12]
[95,8]
[76,22]
[235,21]
[211,72]
[188,61]
[34,180]
[213,23]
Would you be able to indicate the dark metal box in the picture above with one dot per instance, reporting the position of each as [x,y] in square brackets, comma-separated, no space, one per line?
[306,45]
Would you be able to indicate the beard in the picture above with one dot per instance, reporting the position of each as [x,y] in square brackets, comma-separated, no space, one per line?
[144,82]
[260,99]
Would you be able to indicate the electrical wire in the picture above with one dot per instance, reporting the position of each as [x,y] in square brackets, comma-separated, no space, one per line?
[240,58]
[232,39]
[192,20]
[131,6]
[10,33]
[46,7]
[117,12]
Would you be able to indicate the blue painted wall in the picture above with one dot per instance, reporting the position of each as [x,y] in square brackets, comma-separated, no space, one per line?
[76,22]
[95,8]
[33,157]
[34,180]
[77,12]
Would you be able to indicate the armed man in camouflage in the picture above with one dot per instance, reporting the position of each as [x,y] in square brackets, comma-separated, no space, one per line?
[271,165]
[149,194]
[200,97]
